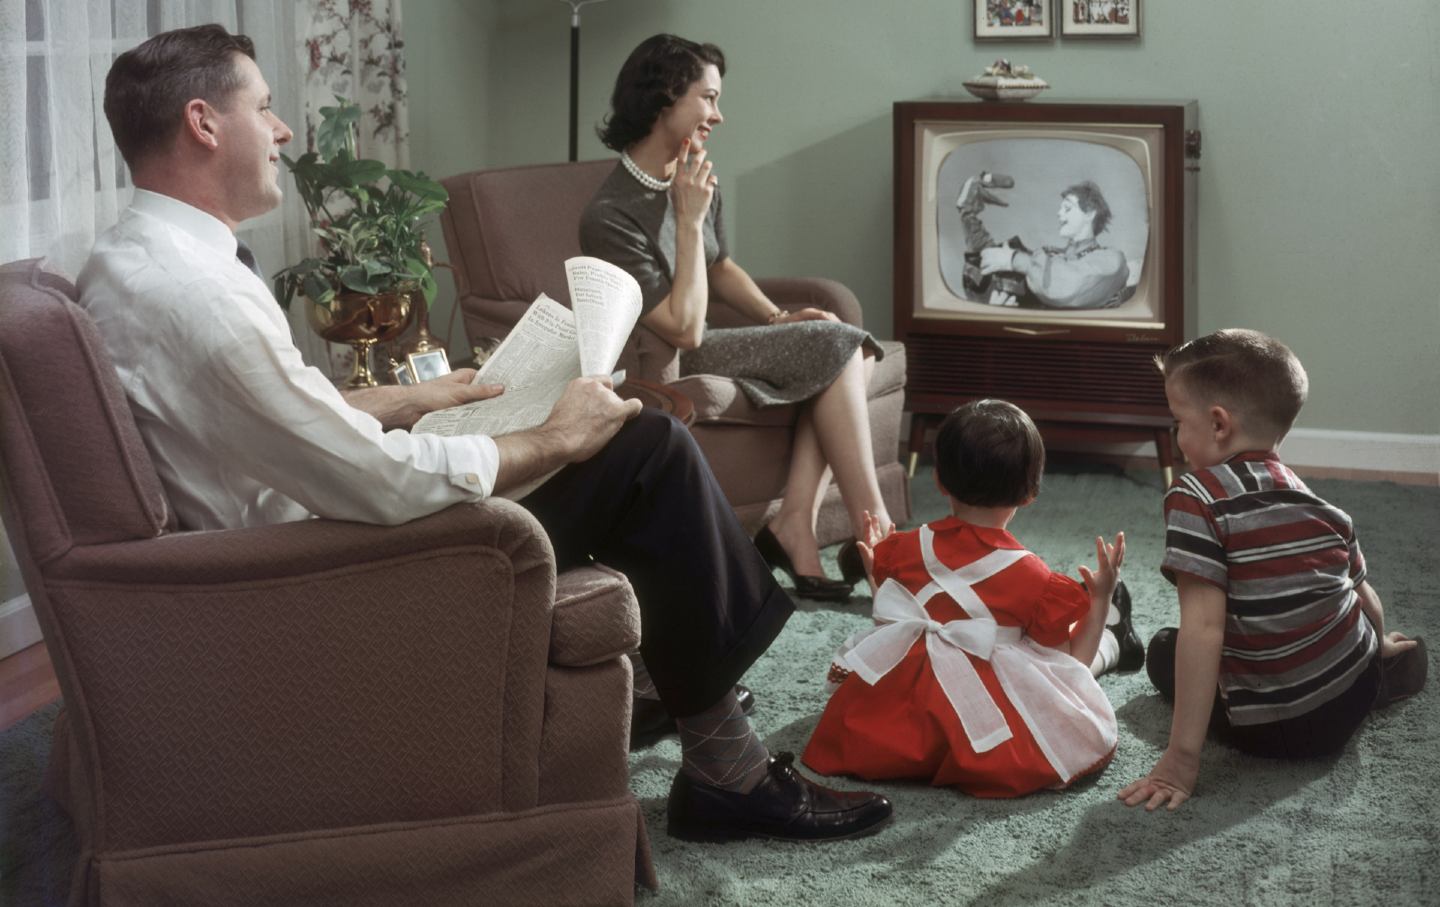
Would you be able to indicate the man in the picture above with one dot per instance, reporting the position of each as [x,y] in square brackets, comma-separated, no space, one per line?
[243,433]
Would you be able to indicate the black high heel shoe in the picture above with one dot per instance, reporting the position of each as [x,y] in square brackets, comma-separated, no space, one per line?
[821,588]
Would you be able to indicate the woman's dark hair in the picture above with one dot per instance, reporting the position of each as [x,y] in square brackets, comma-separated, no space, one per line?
[655,75]
[989,454]
[149,85]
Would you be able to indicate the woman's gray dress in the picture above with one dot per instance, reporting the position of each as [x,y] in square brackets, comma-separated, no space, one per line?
[633,228]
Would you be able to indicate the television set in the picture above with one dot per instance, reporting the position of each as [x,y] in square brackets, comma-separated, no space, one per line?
[1044,253]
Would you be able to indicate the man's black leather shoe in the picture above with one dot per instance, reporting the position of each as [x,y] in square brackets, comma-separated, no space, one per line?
[649,721]
[786,806]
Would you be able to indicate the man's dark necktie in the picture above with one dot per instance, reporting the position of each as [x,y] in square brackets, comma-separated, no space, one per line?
[247,258]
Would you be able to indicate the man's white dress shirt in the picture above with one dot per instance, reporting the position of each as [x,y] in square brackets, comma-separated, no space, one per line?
[242,432]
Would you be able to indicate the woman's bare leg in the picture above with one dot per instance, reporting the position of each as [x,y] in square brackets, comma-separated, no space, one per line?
[805,484]
[833,429]
[842,426]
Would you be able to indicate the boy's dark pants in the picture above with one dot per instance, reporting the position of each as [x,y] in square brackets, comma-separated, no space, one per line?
[648,506]
[1321,731]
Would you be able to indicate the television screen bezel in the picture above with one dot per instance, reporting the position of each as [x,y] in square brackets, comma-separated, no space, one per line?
[1166,229]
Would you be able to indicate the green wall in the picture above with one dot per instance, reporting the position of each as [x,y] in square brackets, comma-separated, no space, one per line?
[1319,193]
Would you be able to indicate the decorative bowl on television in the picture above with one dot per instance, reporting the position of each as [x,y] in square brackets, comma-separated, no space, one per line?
[998,88]
[1004,81]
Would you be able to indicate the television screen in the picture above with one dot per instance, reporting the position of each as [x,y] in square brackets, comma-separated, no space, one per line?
[1039,224]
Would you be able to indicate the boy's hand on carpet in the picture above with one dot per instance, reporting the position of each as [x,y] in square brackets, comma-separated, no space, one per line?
[1171,782]
[1395,642]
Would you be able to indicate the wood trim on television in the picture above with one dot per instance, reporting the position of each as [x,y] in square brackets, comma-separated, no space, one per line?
[1101,376]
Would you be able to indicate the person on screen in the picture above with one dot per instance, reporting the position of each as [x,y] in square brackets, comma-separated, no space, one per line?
[1082,274]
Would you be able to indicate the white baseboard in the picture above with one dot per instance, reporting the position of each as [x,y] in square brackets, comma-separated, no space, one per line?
[1379,452]
[18,627]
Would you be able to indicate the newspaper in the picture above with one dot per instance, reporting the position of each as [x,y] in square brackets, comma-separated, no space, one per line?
[549,347]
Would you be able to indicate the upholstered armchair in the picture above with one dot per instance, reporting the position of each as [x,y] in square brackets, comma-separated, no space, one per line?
[317,712]
[509,231]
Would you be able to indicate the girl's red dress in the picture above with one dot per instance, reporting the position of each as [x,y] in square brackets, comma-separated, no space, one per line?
[904,726]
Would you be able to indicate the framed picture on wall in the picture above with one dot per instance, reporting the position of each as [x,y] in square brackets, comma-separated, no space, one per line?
[1099,18]
[1013,20]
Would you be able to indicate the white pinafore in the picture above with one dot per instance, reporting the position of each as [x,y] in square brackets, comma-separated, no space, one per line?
[1062,705]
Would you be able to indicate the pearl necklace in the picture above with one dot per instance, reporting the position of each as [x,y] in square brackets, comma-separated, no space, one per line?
[645,179]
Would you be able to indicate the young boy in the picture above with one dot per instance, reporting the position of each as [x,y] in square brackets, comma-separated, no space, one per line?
[1282,648]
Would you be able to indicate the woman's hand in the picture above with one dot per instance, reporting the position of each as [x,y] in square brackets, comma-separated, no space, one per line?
[806,314]
[694,186]
[1171,781]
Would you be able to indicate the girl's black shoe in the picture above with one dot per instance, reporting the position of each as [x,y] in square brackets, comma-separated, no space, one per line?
[852,568]
[1132,650]
[820,588]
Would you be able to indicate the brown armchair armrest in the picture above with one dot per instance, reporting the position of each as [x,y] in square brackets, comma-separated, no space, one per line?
[307,676]
[794,293]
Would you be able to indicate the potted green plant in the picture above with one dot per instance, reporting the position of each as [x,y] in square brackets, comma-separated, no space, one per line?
[370,221]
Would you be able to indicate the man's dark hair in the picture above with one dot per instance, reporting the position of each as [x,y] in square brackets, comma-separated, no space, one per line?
[989,454]
[148,86]
[1092,201]
[655,75]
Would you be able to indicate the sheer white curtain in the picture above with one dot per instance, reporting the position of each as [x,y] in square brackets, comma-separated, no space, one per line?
[61,179]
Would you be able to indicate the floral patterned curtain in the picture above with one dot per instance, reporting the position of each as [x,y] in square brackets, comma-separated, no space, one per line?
[353,49]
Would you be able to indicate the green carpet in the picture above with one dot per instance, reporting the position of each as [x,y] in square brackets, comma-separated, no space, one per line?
[1357,829]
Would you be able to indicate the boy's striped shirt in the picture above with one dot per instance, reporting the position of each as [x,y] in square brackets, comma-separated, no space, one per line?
[1295,635]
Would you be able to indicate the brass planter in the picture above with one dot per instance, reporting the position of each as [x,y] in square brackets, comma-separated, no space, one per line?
[361,321]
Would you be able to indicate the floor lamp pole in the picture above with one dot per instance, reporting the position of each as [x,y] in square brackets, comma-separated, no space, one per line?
[575,74]
[574,81]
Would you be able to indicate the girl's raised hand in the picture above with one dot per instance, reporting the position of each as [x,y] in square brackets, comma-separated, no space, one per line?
[874,535]
[1109,556]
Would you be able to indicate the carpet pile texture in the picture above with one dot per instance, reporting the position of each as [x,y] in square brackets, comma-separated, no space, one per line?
[1361,828]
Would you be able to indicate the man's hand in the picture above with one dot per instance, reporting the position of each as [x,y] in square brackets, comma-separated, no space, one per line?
[587,416]
[402,405]
[996,258]
[1171,781]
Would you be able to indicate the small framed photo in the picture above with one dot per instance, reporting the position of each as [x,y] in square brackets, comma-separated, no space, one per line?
[1013,20]
[1099,18]
[400,374]
[429,364]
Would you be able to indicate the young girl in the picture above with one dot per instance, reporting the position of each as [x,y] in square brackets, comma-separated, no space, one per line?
[976,673]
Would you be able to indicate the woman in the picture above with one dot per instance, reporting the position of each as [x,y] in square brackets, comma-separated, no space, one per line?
[658,217]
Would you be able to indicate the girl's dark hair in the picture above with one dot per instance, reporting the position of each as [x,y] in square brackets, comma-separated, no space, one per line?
[989,454]
[148,86]
[655,75]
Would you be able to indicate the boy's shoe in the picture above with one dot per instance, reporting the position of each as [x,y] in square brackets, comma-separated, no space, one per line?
[1132,650]
[1403,675]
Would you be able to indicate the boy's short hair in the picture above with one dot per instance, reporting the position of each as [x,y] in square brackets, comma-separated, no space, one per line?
[1254,376]
[989,454]
[148,86]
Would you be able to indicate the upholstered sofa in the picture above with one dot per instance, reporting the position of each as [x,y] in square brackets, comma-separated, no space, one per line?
[309,713]
[508,232]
